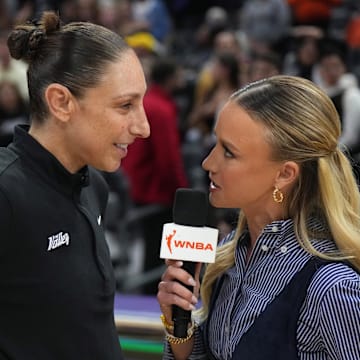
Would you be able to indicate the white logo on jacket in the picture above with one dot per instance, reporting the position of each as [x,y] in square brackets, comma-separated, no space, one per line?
[58,240]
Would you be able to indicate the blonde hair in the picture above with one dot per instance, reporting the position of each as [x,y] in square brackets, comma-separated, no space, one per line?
[303,126]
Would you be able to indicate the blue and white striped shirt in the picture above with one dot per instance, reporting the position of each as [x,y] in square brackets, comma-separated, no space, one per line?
[329,322]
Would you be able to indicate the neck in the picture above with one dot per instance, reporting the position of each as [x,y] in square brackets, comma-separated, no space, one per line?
[52,139]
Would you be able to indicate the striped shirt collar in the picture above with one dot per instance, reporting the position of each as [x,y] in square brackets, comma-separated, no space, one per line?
[279,235]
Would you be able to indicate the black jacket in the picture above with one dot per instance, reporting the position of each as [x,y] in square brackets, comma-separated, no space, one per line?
[56,281]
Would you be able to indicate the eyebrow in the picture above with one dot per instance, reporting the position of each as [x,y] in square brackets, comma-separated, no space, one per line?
[228,145]
[127,95]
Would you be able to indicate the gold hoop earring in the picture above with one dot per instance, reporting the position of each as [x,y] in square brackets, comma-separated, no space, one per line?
[278,196]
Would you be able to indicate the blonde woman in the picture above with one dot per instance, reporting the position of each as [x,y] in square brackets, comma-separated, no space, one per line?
[286,283]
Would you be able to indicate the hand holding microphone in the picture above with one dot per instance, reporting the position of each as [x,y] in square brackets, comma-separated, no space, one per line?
[189,240]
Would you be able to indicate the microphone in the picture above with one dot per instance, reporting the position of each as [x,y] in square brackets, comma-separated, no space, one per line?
[189,240]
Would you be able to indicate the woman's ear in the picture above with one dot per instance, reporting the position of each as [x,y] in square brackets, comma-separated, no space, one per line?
[60,101]
[288,174]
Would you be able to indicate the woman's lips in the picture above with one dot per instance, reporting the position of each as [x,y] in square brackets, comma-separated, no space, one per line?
[122,148]
[213,186]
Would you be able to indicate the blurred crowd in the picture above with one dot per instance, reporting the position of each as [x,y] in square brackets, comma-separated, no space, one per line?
[194,55]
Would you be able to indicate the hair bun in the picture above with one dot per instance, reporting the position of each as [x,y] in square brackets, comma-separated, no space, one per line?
[24,40]
[18,43]
[50,22]
[35,37]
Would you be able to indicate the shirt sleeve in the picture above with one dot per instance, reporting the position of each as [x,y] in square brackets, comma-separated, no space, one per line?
[340,319]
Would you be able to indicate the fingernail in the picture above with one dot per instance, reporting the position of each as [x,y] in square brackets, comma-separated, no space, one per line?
[192,282]
[179,263]
[194,299]
[191,307]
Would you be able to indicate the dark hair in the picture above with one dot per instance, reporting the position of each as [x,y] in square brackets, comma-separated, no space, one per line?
[73,55]
[331,47]
[163,69]
[269,57]
[229,61]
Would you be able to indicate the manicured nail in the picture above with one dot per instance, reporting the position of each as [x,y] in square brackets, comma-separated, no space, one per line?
[191,307]
[194,299]
[192,282]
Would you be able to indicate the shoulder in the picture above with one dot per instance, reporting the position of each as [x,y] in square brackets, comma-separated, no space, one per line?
[11,174]
[332,309]
[334,282]
[7,157]
[333,273]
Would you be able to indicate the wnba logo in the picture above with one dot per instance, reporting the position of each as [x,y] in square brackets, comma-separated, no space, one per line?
[168,240]
[188,243]
[185,244]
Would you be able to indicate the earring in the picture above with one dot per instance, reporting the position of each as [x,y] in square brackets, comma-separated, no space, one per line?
[278,196]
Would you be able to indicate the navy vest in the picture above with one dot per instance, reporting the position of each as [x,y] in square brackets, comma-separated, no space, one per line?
[273,333]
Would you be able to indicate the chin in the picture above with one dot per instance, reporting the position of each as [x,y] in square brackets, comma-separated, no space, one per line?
[109,167]
[213,202]
[219,203]
[112,169]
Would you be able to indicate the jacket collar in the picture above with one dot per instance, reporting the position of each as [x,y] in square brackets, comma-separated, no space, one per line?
[45,163]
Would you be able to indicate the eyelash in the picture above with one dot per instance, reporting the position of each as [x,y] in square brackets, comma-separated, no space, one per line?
[228,153]
[126,106]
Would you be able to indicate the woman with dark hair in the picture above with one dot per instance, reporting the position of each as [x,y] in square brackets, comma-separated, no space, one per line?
[226,78]
[57,286]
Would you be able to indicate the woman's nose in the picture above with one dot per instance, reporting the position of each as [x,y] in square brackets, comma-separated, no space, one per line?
[140,126]
[208,161]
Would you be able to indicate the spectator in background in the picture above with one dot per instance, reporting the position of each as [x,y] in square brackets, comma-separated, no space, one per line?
[13,111]
[69,10]
[88,10]
[197,47]
[149,15]
[225,72]
[342,87]
[301,59]
[5,16]
[266,24]
[225,41]
[352,31]
[199,137]
[352,38]
[147,48]
[264,65]
[310,12]
[154,166]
